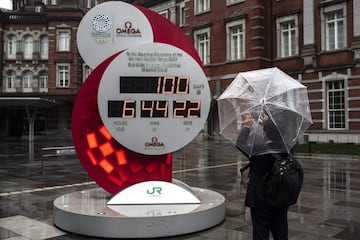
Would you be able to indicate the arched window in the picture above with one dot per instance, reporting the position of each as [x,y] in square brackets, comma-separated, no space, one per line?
[28,46]
[11,46]
[9,81]
[44,47]
[43,81]
[27,81]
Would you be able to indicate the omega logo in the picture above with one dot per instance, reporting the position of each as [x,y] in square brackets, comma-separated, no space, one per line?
[154,143]
[128,29]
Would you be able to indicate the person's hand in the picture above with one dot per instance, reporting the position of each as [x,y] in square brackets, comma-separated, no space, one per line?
[249,121]
[264,117]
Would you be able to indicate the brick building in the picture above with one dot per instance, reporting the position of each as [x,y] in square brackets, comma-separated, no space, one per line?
[315,41]
[41,68]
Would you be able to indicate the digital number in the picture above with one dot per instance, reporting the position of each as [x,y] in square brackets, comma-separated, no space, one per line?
[138,84]
[157,85]
[173,85]
[186,109]
[154,109]
[122,109]
[182,85]
[167,84]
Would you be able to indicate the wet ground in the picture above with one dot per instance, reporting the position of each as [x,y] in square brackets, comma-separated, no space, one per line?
[328,207]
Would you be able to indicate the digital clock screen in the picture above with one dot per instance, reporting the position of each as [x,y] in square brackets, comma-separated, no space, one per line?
[151,93]
[154,109]
[156,85]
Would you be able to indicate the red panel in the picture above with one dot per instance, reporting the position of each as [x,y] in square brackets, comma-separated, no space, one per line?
[166,32]
[110,165]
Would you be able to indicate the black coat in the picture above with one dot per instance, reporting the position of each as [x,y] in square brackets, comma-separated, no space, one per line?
[259,166]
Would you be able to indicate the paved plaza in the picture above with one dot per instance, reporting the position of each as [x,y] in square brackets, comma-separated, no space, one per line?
[328,207]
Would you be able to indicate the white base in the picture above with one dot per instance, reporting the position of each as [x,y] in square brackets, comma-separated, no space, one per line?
[155,192]
[86,213]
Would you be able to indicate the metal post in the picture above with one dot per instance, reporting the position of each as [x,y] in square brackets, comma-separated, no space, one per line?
[31,116]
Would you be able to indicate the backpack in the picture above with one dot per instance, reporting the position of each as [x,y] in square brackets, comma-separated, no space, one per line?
[282,184]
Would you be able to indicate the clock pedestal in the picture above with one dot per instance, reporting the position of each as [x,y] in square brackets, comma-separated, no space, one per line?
[147,78]
[87,213]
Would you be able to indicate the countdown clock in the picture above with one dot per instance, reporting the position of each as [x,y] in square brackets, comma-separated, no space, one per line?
[154,98]
[128,47]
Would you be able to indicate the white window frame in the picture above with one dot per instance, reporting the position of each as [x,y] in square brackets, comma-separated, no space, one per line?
[28,47]
[230,2]
[11,46]
[164,13]
[88,3]
[182,14]
[53,2]
[287,38]
[44,47]
[9,85]
[236,49]
[86,71]
[27,80]
[336,112]
[63,75]
[338,32]
[43,82]
[202,6]
[63,40]
[203,45]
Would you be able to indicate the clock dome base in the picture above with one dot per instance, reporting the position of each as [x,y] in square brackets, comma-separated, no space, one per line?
[86,213]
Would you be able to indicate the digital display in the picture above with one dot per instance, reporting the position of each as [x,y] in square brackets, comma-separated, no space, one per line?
[154,109]
[150,89]
[122,109]
[157,85]
[186,109]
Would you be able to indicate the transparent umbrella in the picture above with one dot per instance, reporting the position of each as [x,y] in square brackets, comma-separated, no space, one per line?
[264,95]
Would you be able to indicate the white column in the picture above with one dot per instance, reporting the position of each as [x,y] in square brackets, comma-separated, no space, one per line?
[309,31]
[356,23]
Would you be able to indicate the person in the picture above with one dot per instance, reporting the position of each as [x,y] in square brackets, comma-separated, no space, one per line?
[265,218]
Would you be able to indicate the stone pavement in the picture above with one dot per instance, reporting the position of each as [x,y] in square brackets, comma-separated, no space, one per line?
[328,207]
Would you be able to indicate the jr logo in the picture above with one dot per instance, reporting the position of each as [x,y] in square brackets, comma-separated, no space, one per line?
[154,191]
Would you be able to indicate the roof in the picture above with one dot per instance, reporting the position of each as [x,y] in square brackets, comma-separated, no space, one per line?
[34,102]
